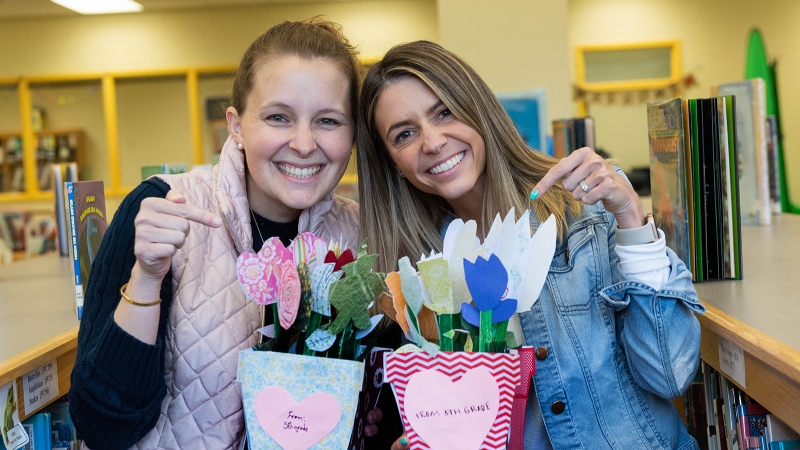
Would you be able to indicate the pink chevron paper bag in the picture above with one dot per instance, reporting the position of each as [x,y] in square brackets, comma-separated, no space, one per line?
[458,400]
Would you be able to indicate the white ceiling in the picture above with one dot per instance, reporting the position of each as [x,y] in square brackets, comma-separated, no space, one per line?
[42,8]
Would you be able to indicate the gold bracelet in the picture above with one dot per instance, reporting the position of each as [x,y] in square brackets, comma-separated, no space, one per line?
[134,302]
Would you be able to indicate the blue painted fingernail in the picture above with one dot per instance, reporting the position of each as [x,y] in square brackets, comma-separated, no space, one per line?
[535,194]
[403,441]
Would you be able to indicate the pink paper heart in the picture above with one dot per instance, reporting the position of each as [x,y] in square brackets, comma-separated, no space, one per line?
[296,426]
[288,294]
[448,415]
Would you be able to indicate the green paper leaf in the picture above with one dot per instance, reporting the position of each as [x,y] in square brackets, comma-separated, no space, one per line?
[511,341]
[449,334]
[412,318]
[320,340]
[445,327]
[352,295]
[468,344]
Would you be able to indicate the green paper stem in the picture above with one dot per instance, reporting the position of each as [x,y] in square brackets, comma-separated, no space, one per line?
[445,325]
[500,337]
[314,321]
[487,332]
[346,346]
[282,337]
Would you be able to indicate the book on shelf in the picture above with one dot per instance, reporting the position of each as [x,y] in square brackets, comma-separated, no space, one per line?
[572,134]
[86,206]
[694,183]
[668,177]
[62,173]
[773,165]
[751,140]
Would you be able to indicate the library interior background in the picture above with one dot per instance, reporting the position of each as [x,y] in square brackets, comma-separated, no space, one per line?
[118,97]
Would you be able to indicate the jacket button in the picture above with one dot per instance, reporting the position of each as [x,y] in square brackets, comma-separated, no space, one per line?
[558,407]
[541,353]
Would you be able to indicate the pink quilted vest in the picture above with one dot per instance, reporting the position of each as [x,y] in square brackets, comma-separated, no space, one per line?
[210,320]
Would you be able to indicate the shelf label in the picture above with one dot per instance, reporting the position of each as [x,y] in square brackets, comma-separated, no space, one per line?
[14,435]
[40,386]
[731,360]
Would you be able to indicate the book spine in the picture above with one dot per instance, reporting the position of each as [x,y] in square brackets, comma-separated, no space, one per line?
[73,229]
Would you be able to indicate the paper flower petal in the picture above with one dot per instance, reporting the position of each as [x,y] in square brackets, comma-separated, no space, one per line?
[321,279]
[256,278]
[471,314]
[544,247]
[487,281]
[268,331]
[435,274]
[504,310]
[412,290]
[304,249]
[360,334]
[288,294]
[463,248]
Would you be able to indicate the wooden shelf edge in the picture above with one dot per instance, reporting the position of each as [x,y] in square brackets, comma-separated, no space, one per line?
[772,352]
[20,364]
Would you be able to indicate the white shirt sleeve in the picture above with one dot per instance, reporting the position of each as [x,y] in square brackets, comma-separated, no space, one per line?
[646,263]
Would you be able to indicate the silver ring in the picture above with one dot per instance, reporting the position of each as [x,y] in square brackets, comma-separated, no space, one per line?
[585,187]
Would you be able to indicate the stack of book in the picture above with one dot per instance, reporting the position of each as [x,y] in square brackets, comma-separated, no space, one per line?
[695,185]
[752,139]
[732,419]
[572,134]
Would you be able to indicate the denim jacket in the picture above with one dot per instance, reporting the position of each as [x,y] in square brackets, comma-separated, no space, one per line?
[617,350]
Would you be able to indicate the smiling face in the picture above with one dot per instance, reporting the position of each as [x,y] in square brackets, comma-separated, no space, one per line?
[297,133]
[435,151]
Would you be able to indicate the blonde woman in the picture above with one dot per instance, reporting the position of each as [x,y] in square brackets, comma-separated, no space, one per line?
[614,327]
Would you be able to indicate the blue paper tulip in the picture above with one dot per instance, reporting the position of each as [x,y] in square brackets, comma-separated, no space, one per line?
[487,281]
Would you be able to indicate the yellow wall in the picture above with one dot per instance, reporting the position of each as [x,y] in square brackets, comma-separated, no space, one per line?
[515,45]
[714,37]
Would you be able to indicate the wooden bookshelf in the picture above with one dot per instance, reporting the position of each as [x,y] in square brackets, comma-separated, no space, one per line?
[761,314]
[52,146]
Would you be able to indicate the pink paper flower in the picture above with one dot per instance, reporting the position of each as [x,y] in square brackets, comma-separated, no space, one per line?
[304,249]
[288,294]
[257,278]
[258,273]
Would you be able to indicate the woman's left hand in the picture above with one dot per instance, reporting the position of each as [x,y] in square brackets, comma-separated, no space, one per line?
[590,178]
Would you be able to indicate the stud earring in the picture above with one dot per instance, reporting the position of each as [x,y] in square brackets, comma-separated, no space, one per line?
[401,174]
[240,146]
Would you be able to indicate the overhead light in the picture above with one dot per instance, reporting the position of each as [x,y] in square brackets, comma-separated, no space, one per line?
[100,6]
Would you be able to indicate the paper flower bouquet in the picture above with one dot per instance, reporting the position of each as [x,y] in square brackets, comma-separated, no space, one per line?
[455,385]
[300,388]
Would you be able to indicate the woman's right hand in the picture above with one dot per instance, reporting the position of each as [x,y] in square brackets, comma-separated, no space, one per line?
[161,229]
[161,225]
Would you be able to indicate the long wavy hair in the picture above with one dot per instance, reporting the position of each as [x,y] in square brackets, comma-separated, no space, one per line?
[400,220]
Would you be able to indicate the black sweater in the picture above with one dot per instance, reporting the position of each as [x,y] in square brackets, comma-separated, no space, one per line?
[117,384]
